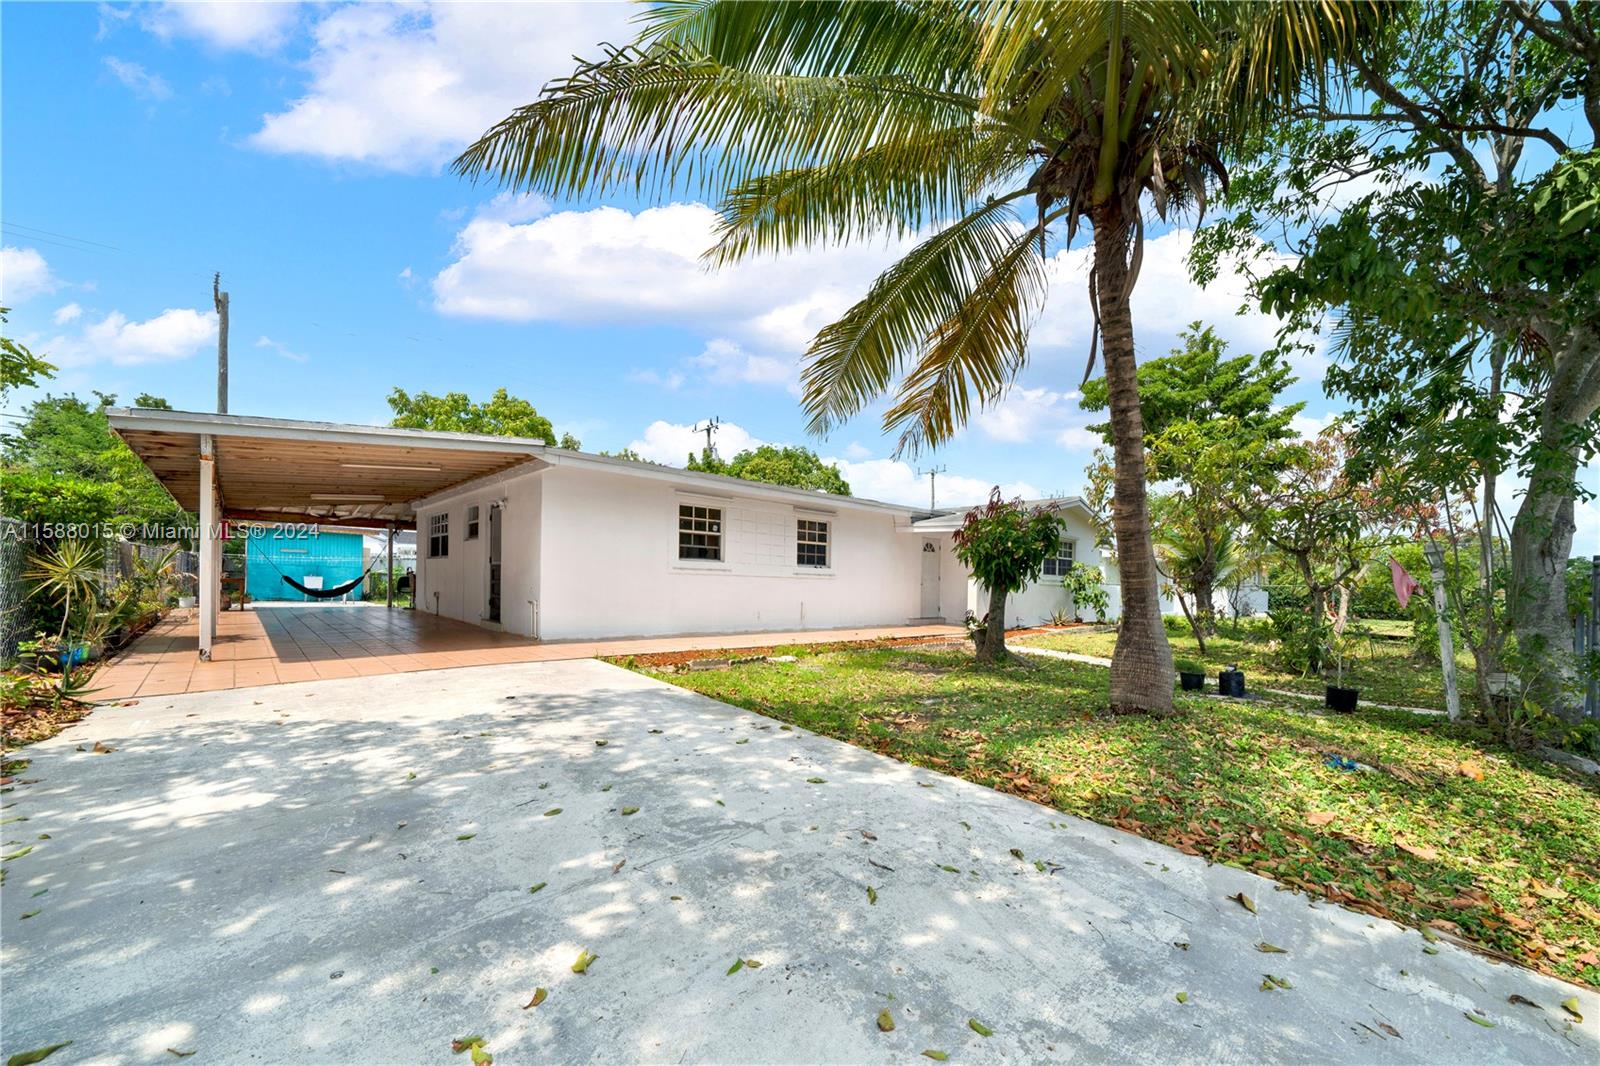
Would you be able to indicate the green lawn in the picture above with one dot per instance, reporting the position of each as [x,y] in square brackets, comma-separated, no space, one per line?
[1511,861]
[1381,668]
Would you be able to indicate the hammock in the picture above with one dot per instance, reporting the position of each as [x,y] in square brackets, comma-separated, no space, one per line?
[324,594]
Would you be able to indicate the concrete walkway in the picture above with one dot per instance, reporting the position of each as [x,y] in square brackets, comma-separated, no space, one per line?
[339,872]
[272,645]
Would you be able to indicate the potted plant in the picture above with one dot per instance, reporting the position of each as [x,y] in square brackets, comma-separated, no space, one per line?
[976,629]
[1230,682]
[1191,675]
[1335,696]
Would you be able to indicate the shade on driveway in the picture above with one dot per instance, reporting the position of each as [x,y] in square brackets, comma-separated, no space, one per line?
[339,872]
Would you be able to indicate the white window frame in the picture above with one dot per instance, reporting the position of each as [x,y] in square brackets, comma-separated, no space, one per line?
[706,521]
[818,535]
[439,535]
[472,523]
[1066,555]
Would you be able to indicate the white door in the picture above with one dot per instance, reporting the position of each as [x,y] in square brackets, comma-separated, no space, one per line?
[930,579]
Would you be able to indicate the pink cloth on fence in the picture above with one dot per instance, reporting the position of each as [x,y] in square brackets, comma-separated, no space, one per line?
[1404,583]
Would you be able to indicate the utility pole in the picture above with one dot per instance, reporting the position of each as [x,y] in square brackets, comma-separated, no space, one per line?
[709,427]
[1447,651]
[220,299]
[933,476]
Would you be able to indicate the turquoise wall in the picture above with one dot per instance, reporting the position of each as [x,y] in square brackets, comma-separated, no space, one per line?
[271,553]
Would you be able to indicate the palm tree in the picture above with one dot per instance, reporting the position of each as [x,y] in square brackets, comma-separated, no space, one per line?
[817,122]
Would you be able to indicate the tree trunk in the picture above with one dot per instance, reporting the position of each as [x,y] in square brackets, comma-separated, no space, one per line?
[1141,666]
[1541,541]
[1205,611]
[993,647]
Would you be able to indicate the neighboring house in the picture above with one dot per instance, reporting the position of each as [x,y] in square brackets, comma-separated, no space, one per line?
[321,559]
[590,546]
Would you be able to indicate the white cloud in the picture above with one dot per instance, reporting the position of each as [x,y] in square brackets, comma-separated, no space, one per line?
[671,380]
[609,265]
[141,82]
[1307,426]
[247,25]
[895,481]
[408,86]
[673,443]
[283,350]
[66,313]
[23,275]
[723,362]
[1165,301]
[1022,414]
[176,333]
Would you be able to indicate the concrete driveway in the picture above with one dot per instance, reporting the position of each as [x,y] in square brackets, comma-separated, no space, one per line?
[339,871]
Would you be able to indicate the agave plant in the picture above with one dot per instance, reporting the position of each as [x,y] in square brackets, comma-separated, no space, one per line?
[989,129]
[68,574]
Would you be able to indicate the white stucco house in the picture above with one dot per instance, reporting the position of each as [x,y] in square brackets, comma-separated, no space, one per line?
[590,546]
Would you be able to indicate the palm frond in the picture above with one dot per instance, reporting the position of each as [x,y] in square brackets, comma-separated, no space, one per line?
[650,121]
[975,353]
[895,188]
[853,361]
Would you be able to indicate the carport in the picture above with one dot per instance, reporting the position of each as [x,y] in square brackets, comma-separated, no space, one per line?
[238,468]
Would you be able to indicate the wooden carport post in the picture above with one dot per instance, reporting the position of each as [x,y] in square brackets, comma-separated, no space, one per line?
[388,582]
[210,545]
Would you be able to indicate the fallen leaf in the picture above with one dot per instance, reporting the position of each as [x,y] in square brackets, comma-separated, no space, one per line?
[1273,981]
[752,964]
[1320,817]
[1016,853]
[1391,1030]
[950,869]
[629,810]
[618,867]
[885,1021]
[1181,945]
[1429,935]
[1430,951]
[28,914]
[552,812]
[1244,901]
[1524,1000]
[978,1027]
[745,740]
[102,748]
[965,826]
[28,1058]
[872,894]
[466,836]
[601,743]
[583,961]
[866,835]
[1183,997]
[1570,1005]
[738,964]
[936,1056]
[1470,769]
[1270,949]
[539,995]
[816,781]
[1419,850]
[180,1054]
[537,887]
[1478,1020]
[462,1043]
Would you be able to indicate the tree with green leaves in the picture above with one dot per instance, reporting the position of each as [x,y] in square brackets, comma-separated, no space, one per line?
[788,465]
[1004,544]
[1450,225]
[1212,430]
[832,122]
[64,465]
[19,367]
[501,415]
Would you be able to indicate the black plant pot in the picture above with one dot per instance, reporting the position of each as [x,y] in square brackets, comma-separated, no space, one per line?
[1192,680]
[1231,683]
[1339,699]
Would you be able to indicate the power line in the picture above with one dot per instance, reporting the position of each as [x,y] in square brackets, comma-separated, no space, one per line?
[25,230]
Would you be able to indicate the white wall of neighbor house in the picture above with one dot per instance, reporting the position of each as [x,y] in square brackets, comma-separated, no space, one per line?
[610,562]
[455,584]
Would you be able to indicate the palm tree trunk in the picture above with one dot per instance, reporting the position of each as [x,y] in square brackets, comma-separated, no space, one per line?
[1141,665]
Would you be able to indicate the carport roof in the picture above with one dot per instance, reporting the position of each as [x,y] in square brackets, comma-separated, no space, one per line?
[287,470]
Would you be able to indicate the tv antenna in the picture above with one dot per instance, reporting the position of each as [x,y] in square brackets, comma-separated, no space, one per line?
[709,427]
[933,476]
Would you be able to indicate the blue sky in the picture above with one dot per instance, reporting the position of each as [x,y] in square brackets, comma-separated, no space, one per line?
[301,150]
